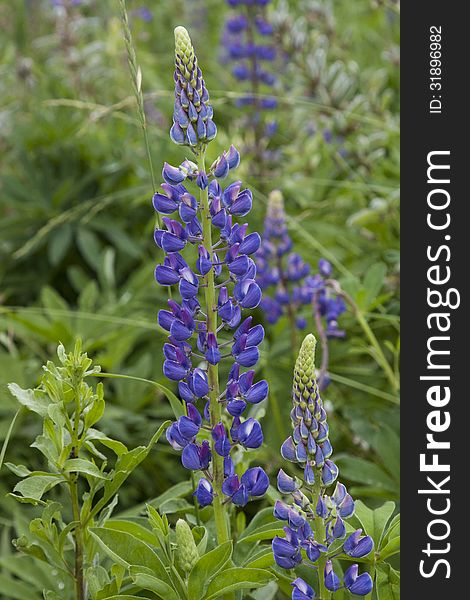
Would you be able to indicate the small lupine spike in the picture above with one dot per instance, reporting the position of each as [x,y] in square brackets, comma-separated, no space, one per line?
[186,552]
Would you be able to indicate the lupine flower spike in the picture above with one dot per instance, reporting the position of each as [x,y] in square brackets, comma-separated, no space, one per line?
[247,45]
[288,284]
[314,519]
[206,326]
[280,269]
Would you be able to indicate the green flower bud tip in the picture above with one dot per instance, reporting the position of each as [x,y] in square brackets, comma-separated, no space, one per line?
[185,56]
[186,552]
[304,372]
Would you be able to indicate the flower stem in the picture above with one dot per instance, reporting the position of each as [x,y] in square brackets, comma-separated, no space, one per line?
[220,511]
[320,534]
[323,341]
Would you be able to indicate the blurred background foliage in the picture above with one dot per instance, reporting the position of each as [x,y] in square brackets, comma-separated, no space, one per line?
[76,246]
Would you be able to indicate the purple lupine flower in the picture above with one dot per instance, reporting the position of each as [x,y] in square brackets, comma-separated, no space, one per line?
[309,447]
[201,338]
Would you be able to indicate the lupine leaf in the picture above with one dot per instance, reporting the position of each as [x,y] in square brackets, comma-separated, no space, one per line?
[387,582]
[237,578]
[138,531]
[265,532]
[153,584]
[35,486]
[365,472]
[206,567]
[125,464]
[374,521]
[32,399]
[80,465]
[393,547]
[261,518]
[261,560]
[127,550]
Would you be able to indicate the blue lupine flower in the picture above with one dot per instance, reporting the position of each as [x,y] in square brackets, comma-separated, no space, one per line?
[256,481]
[286,550]
[302,591]
[246,44]
[279,268]
[196,335]
[309,447]
[285,483]
[357,546]
[288,285]
[332,581]
[204,492]
[360,585]
[250,434]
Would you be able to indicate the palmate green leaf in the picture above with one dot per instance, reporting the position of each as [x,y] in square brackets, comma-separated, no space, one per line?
[365,472]
[117,447]
[387,582]
[373,282]
[392,531]
[387,446]
[261,560]
[34,487]
[262,527]
[153,584]
[126,550]
[261,518]
[374,521]
[237,578]
[265,532]
[201,537]
[205,569]
[393,547]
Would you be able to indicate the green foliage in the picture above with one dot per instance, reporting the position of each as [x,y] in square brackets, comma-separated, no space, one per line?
[75,458]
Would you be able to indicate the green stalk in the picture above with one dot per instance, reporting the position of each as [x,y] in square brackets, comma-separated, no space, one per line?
[383,362]
[320,535]
[379,355]
[74,495]
[220,510]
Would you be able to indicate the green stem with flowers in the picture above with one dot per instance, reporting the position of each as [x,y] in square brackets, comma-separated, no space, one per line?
[220,510]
